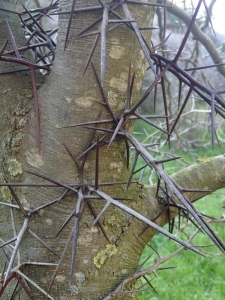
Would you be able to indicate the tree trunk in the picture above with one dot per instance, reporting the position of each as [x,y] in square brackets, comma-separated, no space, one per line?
[69,97]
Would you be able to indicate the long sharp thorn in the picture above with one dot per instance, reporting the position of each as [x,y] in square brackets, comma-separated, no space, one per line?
[24,287]
[8,242]
[91,53]
[132,170]
[16,199]
[13,41]
[147,3]
[65,223]
[53,180]
[213,118]
[137,105]
[182,108]
[71,155]
[60,261]
[42,242]
[164,20]
[128,151]
[97,164]
[179,93]
[103,41]
[131,89]
[164,100]
[91,147]
[155,90]
[167,159]
[15,250]
[79,209]
[89,27]
[116,131]
[3,48]
[99,223]
[34,284]
[187,32]
[128,95]
[149,283]
[152,124]
[3,271]
[89,123]
[69,23]
[158,186]
[185,215]
[209,17]
[102,93]
[36,105]
[101,213]
[96,32]
[160,45]
[99,129]
[139,36]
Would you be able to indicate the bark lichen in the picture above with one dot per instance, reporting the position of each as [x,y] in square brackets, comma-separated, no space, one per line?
[14,167]
[103,255]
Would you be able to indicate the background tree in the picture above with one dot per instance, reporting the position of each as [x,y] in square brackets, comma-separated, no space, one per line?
[65,158]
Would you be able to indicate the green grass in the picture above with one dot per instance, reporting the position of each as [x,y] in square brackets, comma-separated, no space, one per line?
[194,277]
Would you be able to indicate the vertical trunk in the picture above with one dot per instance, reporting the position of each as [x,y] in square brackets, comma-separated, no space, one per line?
[69,97]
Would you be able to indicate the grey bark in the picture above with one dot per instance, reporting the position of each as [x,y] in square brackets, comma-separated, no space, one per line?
[68,97]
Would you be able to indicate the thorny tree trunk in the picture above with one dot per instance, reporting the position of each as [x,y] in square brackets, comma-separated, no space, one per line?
[67,97]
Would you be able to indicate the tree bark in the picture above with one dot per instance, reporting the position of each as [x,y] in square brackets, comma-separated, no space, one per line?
[69,97]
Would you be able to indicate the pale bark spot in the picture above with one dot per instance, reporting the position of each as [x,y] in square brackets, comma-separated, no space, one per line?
[121,106]
[68,99]
[84,101]
[85,239]
[119,83]
[115,40]
[141,59]
[139,85]
[116,52]
[48,221]
[200,176]
[94,229]
[85,261]
[117,166]
[60,278]
[33,158]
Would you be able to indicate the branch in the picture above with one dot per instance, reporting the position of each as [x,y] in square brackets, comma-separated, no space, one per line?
[198,34]
[207,177]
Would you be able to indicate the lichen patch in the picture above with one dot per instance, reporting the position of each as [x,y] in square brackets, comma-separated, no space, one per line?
[6,194]
[104,254]
[80,277]
[14,167]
